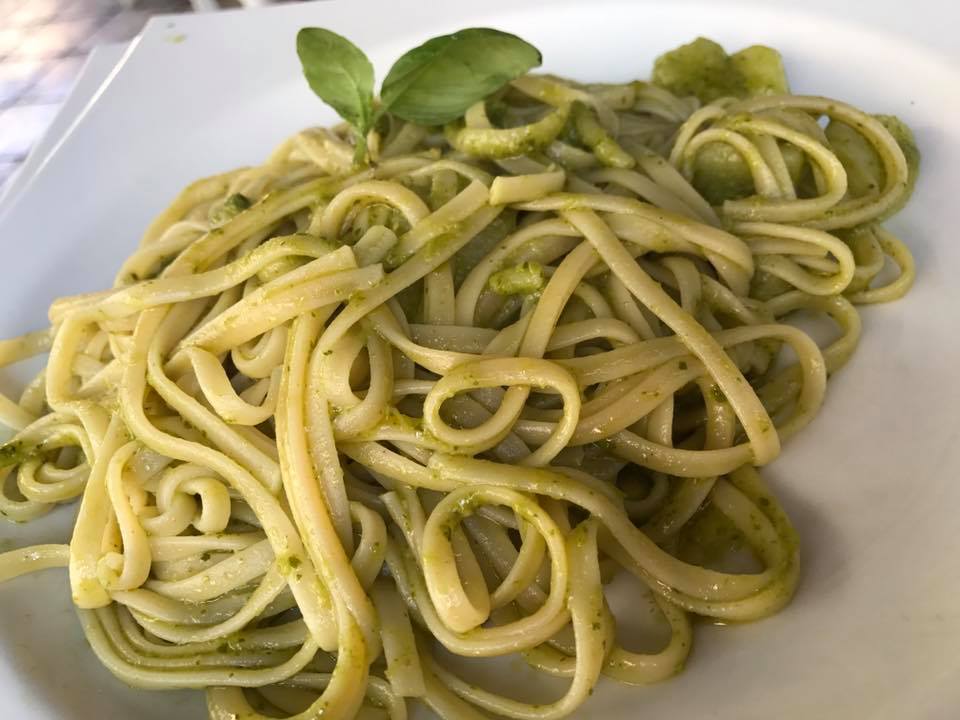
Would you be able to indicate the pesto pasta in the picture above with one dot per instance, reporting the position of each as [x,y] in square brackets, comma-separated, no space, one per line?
[364,407]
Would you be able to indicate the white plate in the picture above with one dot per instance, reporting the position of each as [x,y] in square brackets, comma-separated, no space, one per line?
[874,631]
[96,70]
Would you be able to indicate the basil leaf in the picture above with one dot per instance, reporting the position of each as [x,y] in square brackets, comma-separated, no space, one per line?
[437,81]
[340,74]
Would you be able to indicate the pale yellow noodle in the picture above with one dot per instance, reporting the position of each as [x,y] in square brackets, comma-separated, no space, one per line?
[434,405]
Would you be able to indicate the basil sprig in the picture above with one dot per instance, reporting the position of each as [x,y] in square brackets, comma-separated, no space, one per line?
[341,75]
[432,84]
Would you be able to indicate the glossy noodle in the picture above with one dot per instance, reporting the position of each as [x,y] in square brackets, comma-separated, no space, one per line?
[331,420]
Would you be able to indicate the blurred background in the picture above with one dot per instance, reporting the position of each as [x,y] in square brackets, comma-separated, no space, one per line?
[43,47]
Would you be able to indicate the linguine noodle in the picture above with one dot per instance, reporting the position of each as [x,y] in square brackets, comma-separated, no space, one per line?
[332,419]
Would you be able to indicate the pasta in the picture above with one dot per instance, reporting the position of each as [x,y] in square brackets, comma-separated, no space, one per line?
[334,424]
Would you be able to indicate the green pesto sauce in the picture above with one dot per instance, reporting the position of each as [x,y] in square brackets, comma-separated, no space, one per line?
[703,69]
[717,393]
[13,453]
[287,564]
[700,68]
[524,279]
[720,174]
[230,208]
